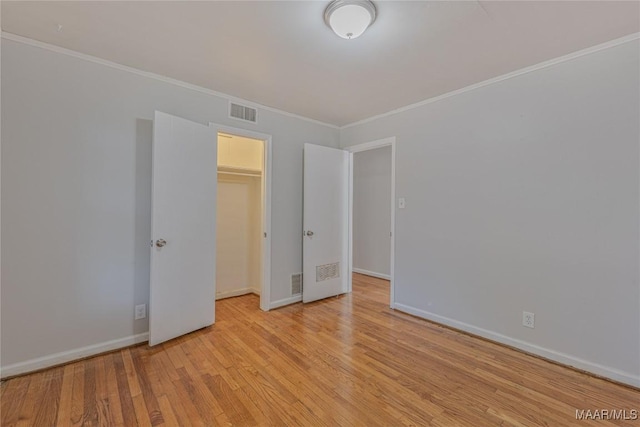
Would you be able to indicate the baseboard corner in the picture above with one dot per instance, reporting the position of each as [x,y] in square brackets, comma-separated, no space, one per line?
[285,301]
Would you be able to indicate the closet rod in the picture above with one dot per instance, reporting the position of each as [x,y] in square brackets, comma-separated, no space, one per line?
[257,175]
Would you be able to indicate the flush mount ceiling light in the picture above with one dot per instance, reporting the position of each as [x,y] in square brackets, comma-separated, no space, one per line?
[349,18]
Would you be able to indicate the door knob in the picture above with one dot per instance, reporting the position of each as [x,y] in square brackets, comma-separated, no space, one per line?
[160,243]
[309,233]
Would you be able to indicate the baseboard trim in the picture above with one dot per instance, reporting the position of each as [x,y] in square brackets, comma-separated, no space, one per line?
[552,355]
[371,273]
[285,301]
[237,293]
[71,355]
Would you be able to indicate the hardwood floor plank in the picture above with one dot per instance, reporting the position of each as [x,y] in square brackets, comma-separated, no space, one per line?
[168,416]
[90,412]
[102,403]
[124,393]
[110,376]
[348,360]
[29,405]
[270,411]
[139,405]
[13,396]
[47,410]
[143,367]
[205,404]
[77,395]
[231,406]
[64,409]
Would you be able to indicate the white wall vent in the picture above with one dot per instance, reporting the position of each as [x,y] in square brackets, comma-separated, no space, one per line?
[243,112]
[296,284]
[327,271]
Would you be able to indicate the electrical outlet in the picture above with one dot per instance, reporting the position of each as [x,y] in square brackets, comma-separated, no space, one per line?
[401,203]
[141,311]
[528,319]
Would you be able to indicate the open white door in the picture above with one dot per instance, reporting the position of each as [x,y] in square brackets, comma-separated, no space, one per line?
[183,254]
[326,222]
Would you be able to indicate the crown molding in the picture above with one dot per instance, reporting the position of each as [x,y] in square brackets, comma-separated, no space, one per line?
[494,80]
[169,80]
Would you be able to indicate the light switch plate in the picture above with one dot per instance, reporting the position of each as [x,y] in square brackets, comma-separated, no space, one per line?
[401,203]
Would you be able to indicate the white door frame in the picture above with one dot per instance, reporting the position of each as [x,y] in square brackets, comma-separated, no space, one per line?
[265,290]
[391,141]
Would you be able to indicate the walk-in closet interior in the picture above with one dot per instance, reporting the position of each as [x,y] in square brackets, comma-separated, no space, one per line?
[239,216]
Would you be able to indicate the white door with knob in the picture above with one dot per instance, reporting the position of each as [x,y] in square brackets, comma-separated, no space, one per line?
[182,290]
[325,222]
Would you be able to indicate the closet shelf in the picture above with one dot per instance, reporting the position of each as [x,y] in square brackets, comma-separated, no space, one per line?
[233,170]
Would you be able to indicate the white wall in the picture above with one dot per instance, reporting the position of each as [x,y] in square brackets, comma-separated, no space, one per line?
[76,170]
[524,195]
[371,211]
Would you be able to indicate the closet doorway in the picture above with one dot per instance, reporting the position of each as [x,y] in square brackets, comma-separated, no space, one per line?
[241,217]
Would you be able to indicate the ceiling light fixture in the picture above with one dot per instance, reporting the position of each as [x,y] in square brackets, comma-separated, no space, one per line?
[349,18]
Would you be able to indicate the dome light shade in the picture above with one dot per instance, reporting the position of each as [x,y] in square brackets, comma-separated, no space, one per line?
[349,18]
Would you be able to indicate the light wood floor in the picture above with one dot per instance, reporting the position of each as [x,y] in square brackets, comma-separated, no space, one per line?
[344,361]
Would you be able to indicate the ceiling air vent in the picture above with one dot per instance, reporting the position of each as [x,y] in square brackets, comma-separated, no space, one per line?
[296,284]
[243,112]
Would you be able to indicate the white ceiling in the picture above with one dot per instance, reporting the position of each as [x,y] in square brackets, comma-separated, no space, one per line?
[282,55]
